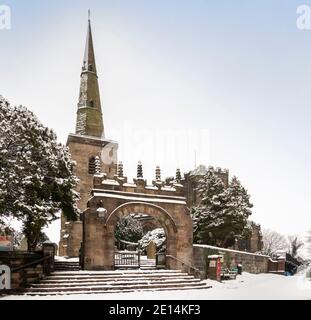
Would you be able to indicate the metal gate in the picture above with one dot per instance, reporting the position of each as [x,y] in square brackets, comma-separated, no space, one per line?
[127,259]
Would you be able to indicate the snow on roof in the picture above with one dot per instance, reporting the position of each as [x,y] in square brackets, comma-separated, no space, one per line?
[111,182]
[167,188]
[200,170]
[178,185]
[132,185]
[139,199]
[151,188]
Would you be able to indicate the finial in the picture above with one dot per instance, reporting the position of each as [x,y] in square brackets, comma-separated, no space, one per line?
[120,169]
[158,173]
[178,175]
[140,170]
[97,165]
[89,15]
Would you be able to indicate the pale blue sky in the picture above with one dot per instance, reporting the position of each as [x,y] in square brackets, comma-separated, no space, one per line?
[229,79]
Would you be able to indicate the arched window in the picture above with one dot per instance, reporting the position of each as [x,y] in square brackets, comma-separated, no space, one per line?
[92,165]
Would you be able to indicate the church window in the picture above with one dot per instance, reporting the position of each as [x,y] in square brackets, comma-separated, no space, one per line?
[92,166]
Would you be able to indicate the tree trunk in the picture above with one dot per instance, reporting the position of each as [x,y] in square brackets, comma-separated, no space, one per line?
[32,239]
[31,244]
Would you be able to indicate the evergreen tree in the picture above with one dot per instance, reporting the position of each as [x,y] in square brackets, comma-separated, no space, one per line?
[221,216]
[129,229]
[36,179]
[157,236]
[237,212]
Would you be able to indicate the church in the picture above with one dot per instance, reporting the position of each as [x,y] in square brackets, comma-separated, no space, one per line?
[87,145]
[106,195]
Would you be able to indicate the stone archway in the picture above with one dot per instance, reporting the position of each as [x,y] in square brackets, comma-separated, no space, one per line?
[161,215]
[106,207]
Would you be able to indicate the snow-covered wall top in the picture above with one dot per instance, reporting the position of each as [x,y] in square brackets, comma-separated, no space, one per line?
[120,184]
[228,250]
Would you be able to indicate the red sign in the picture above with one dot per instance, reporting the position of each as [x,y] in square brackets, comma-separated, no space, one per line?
[218,268]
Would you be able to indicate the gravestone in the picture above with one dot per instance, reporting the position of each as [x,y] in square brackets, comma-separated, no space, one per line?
[151,250]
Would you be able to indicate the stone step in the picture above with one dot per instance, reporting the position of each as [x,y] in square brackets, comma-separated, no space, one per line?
[119,272]
[56,293]
[66,262]
[118,287]
[102,277]
[66,266]
[89,282]
[110,278]
[115,282]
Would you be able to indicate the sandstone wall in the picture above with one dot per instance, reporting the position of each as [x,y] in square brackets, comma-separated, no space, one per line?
[26,276]
[252,263]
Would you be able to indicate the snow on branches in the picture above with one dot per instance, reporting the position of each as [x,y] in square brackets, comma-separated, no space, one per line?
[36,179]
[157,236]
[221,216]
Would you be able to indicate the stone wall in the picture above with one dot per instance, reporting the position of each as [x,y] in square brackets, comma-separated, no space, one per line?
[26,276]
[252,263]
[28,267]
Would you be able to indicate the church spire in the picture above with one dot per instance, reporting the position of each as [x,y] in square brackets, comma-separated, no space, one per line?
[89,115]
[89,56]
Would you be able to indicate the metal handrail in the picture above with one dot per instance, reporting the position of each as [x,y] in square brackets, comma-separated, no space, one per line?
[183,263]
[31,263]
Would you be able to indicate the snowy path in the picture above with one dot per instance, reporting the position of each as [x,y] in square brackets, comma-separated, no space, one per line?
[245,287]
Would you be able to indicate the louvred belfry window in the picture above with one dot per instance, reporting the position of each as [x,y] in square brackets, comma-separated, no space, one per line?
[92,166]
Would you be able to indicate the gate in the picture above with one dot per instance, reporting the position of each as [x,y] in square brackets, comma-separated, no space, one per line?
[127,259]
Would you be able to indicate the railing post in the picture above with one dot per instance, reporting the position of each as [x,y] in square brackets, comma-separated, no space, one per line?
[138,259]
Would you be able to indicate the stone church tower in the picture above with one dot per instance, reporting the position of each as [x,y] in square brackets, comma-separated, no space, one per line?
[88,147]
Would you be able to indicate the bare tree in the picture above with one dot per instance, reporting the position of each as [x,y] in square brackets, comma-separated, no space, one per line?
[294,244]
[273,242]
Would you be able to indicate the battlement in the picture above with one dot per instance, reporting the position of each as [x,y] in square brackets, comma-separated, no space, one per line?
[139,184]
[219,170]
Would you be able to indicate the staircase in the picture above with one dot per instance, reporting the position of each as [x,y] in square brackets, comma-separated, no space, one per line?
[99,282]
[66,266]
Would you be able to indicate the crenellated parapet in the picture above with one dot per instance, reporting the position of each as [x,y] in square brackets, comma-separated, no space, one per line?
[139,185]
[219,170]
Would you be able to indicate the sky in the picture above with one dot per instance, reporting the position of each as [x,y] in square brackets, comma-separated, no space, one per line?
[182,82]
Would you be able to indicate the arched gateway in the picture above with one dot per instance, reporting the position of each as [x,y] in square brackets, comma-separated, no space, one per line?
[113,199]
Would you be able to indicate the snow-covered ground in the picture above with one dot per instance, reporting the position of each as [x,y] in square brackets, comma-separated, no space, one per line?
[245,287]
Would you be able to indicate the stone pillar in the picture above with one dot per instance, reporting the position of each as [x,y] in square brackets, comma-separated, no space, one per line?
[48,248]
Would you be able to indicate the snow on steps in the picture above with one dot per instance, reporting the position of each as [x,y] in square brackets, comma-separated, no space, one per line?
[66,265]
[87,282]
